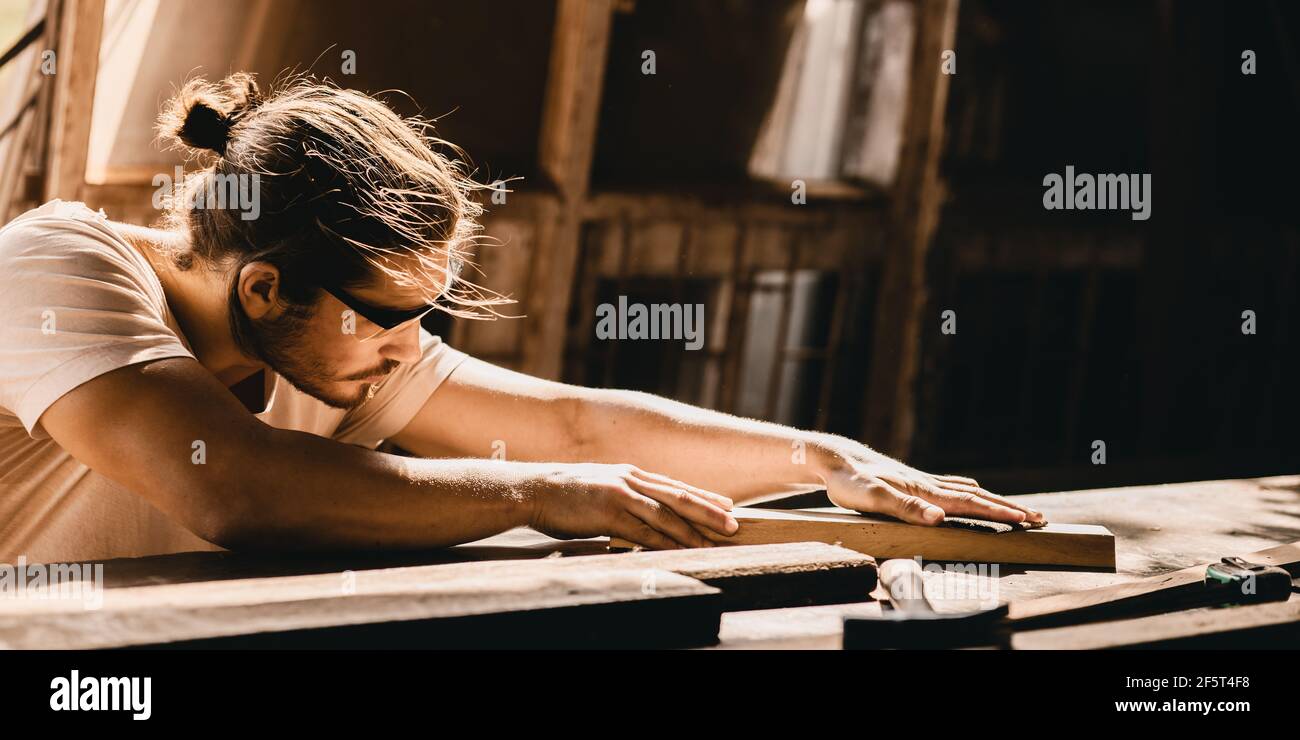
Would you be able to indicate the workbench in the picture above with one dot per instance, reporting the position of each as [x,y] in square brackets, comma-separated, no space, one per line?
[1158,529]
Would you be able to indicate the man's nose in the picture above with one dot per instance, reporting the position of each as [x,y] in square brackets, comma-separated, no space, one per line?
[403,346]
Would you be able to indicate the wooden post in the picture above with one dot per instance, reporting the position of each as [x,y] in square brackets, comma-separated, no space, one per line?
[889,414]
[77,65]
[568,138]
[22,106]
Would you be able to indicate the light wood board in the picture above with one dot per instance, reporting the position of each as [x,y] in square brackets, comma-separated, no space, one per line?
[671,598]
[1158,529]
[1079,545]
[568,608]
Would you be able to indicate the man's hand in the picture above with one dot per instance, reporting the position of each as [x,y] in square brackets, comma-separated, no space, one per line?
[654,511]
[865,480]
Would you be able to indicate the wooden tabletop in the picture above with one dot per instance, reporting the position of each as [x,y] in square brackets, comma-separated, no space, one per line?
[1158,529]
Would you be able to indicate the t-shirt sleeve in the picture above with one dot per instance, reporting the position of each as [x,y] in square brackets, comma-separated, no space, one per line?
[75,304]
[401,396]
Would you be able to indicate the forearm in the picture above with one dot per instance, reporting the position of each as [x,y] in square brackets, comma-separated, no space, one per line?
[298,491]
[740,458]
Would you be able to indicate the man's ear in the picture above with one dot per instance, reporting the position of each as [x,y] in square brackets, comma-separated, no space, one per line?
[259,290]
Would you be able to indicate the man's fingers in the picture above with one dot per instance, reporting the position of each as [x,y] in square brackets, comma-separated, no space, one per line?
[961,503]
[687,505]
[664,519]
[927,499]
[909,508]
[1030,514]
[639,533]
[950,503]
[717,498]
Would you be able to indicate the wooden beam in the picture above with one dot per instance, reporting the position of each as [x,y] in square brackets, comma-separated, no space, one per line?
[437,609]
[754,577]
[1055,544]
[757,205]
[21,103]
[768,576]
[579,48]
[1255,626]
[80,27]
[913,215]
[449,604]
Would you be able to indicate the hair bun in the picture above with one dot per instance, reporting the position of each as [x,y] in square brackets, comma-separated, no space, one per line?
[202,114]
[205,127]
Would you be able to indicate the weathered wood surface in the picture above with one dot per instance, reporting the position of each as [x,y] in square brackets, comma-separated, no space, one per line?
[1078,545]
[569,608]
[1167,590]
[1158,529]
[751,577]
[570,113]
[1259,626]
[81,29]
[501,602]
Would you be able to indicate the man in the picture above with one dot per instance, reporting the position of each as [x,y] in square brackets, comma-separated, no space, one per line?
[223,382]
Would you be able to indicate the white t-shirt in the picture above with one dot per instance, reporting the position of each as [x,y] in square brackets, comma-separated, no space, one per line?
[77,301]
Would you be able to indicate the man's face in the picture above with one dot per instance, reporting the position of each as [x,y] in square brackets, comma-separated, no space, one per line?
[323,356]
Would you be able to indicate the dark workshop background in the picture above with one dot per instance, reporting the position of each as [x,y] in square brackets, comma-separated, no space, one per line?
[924,194]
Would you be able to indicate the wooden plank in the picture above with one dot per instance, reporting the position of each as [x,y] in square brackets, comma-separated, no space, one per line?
[752,577]
[565,608]
[800,628]
[81,26]
[1055,544]
[467,593]
[913,215]
[767,576]
[1158,529]
[749,202]
[1114,600]
[1260,626]
[579,49]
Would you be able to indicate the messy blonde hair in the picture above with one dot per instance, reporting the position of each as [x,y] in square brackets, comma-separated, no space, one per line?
[348,190]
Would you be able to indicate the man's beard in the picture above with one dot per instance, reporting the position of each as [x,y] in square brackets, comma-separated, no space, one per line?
[277,343]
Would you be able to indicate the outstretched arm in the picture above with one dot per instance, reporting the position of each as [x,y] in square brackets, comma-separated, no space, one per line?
[483,409]
[257,487]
